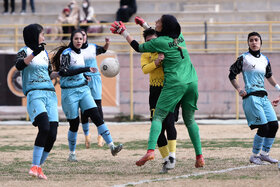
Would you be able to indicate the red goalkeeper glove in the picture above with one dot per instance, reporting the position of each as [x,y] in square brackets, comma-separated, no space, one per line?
[119,28]
[140,21]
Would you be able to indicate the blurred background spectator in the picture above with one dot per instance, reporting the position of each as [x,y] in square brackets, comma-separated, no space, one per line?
[23,6]
[126,10]
[6,7]
[70,15]
[87,14]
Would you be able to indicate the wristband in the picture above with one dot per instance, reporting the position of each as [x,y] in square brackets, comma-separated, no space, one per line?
[277,87]
[125,34]
[145,25]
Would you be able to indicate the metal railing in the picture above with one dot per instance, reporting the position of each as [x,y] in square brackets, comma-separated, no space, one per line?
[203,40]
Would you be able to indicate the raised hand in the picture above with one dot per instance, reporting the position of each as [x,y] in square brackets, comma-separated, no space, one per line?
[39,48]
[118,28]
[140,21]
[107,40]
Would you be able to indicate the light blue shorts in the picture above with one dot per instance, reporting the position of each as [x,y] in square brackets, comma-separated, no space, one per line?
[39,101]
[95,85]
[258,110]
[74,98]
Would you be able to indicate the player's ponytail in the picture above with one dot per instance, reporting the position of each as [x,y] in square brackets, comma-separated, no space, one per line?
[55,60]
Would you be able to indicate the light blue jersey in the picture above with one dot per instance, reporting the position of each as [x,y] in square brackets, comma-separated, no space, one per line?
[254,70]
[70,60]
[257,107]
[90,54]
[35,76]
[37,84]
[95,83]
[75,93]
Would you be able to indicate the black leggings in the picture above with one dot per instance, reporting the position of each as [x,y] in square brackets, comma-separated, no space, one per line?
[168,125]
[94,115]
[47,131]
[268,130]
[99,107]
[51,137]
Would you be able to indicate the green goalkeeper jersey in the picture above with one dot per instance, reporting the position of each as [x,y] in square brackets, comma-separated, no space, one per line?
[177,67]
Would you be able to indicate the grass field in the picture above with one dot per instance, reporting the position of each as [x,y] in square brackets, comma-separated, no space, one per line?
[226,149]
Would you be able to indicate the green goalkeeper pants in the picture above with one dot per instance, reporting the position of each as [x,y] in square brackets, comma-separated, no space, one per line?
[188,116]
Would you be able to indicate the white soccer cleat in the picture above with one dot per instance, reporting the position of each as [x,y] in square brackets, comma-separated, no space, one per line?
[72,157]
[267,158]
[256,160]
[170,163]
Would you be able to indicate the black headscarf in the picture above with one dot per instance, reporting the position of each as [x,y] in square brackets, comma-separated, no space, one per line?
[78,51]
[31,35]
[170,27]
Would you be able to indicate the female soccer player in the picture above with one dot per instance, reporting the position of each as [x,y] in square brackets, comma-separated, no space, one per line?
[34,64]
[257,108]
[151,63]
[75,93]
[180,80]
[90,51]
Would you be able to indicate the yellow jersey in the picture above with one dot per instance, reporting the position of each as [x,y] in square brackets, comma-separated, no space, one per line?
[148,66]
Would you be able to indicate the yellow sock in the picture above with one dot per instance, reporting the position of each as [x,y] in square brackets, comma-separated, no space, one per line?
[172,146]
[164,151]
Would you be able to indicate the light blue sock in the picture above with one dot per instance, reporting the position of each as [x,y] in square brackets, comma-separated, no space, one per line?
[257,144]
[105,133]
[86,128]
[267,144]
[44,157]
[72,138]
[37,154]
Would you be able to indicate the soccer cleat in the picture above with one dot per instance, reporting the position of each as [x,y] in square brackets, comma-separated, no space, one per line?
[148,156]
[72,158]
[100,141]
[87,141]
[256,160]
[267,158]
[170,163]
[33,171]
[41,175]
[116,149]
[164,169]
[199,161]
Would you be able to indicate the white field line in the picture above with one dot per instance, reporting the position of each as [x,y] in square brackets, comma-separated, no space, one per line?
[186,176]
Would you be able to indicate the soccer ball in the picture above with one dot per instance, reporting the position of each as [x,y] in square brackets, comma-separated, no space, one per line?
[110,67]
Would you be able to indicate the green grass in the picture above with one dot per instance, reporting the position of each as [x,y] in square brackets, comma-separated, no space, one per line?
[9,148]
[142,144]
